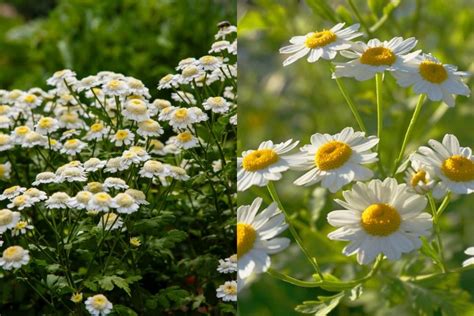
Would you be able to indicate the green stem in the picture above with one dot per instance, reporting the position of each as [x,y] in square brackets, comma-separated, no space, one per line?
[437,229]
[359,17]
[351,105]
[378,93]
[409,131]
[294,233]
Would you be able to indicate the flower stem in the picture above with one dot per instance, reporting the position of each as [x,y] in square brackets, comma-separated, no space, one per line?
[294,233]
[437,229]
[409,131]
[351,105]
[359,17]
[378,93]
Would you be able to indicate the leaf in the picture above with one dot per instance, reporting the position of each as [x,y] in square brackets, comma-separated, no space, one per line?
[122,284]
[124,310]
[322,307]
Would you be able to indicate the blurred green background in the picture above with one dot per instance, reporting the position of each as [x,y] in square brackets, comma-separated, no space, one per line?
[140,38]
[277,103]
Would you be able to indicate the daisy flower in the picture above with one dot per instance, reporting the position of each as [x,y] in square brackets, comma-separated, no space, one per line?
[46,125]
[453,164]
[228,265]
[210,62]
[96,131]
[61,75]
[184,140]
[419,178]
[376,57]
[110,221]
[149,128]
[178,173]
[128,158]
[14,257]
[168,81]
[123,137]
[320,44]
[255,237]
[94,187]
[45,177]
[227,291]
[137,87]
[185,117]
[116,87]
[35,195]
[380,217]
[98,305]
[124,203]
[8,219]
[73,146]
[58,200]
[113,165]
[190,73]
[114,183]
[72,174]
[336,160]
[429,76]
[257,167]
[21,228]
[136,110]
[32,139]
[21,202]
[11,192]
[470,252]
[5,170]
[220,46]
[30,100]
[216,104]
[186,97]
[81,200]
[101,201]
[93,164]
[5,142]
[138,196]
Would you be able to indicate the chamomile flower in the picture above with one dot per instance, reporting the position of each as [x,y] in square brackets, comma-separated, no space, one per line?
[76,298]
[14,257]
[101,202]
[98,305]
[210,62]
[58,200]
[227,265]
[128,158]
[6,142]
[227,291]
[46,125]
[21,202]
[216,104]
[113,165]
[419,178]
[116,87]
[470,252]
[97,131]
[178,173]
[94,187]
[30,100]
[45,177]
[217,165]
[141,153]
[87,83]
[256,237]
[184,140]
[185,117]
[380,217]
[124,203]
[336,160]
[157,105]
[60,76]
[153,168]
[136,110]
[110,221]
[149,128]
[452,164]
[115,183]
[167,82]
[376,57]
[73,146]
[190,74]
[8,219]
[220,46]
[11,192]
[138,195]
[32,139]
[123,137]
[137,87]
[94,164]
[5,170]
[429,76]
[225,30]
[186,97]
[320,44]
[21,228]
[19,133]
[81,200]
[257,167]
[35,195]
[73,174]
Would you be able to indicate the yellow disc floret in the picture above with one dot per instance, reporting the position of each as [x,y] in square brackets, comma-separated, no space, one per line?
[259,159]
[458,168]
[6,217]
[417,177]
[332,155]
[378,56]
[320,39]
[13,253]
[246,236]
[433,72]
[380,219]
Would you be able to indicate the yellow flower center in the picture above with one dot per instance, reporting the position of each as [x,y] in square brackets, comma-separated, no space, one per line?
[45,122]
[378,56]
[121,135]
[97,127]
[94,187]
[417,177]
[71,143]
[137,106]
[184,137]
[102,197]
[208,60]
[6,217]
[19,200]
[380,219]
[114,84]
[76,297]
[166,78]
[99,302]
[246,236]
[21,225]
[217,101]
[259,159]
[83,196]
[135,241]
[22,130]
[181,114]
[157,145]
[4,139]
[11,190]
[124,200]
[4,109]
[13,253]
[433,72]
[30,98]
[332,155]
[319,39]
[230,289]
[69,117]
[458,168]
[190,71]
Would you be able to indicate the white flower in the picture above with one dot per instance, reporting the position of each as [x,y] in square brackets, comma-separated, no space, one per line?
[220,46]
[59,76]
[123,137]
[217,165]
[184,140]
[115,183]
[8,219]
[81,200]
[136,110]
[255,237]
[336,160]
[216,104]
[21,202]
[429,76]
[233,119]
[153,168]
[72,174]
[323,44]
[73,146]
[35,195]
[93,164]
[453,164]
[178,173]
[11,192]
[470,252]
[14,257]
[185,117]
[138,195]
[58,200]
[21,228]
[210,62]
[19,133]
[32,139]
[101,201]
[97,131]
[137,87]
[376,57]
[30,100]
[167,82]
[6,142]
[98,305]
[87,83]
[46,125]
[380,217]
[45,177]
[419,178]
[110,221]
[149,128]
[113,165]
[257,167]
[5,170]
[186,97]
[228,265]
[190,74]
[227,291]
[124,203]
[116,87]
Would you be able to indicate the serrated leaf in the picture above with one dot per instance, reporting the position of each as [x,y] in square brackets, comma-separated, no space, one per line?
[322,306]
[122,284]
[124,310]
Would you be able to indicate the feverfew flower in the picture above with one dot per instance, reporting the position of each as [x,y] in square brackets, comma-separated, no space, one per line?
[116,87]
[149,128]
[11,192]
[73,146]
[380,217]
[184,140]
[46,125]
[14,257]
[429,76]
[228,265]
[21,202]
[419,178]
[58,200]
[323,44]
[98,305]
[216,104]
[45,177]
[115,183]
[124,203]
[8,219]
[110,221]
[376,57]
[256,237]
[227,291]
[257,167]
[336,160]
[5,170]
[35,195]
[101,201]
[21,228]
[97,131]
[93,164]
[136,110]
[138,195]
[153,168]
[123,137]
[81,200]
[453,164]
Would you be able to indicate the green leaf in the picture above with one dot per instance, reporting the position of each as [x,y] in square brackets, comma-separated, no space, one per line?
[322,306]
[124,310]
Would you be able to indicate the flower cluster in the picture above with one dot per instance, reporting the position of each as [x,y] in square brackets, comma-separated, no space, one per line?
[228,290]
[91,157]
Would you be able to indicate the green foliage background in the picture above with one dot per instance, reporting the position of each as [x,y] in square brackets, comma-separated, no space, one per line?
[279,103]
